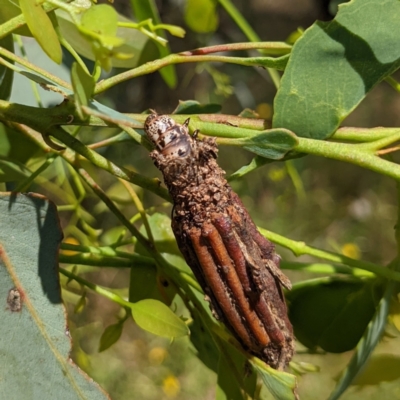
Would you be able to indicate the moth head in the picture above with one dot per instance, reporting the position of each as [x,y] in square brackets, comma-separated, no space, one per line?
[171,139]
[156,125]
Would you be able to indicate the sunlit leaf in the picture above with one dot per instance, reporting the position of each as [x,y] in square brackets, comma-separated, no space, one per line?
[335,64]
[147,9]
[155,317]
[194,107]
[42,29]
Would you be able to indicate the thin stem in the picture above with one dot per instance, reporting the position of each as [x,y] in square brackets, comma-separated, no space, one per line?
[354,154]
[300,248]
[272,48]
[140,208]
[102,162]
[156,65]
[24,185]
[96,288]
[33,67]
[248,31]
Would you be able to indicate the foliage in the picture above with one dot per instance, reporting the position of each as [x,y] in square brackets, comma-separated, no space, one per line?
[64,153]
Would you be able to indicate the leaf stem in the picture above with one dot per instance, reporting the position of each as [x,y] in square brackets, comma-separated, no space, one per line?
[300,248]
[152,66]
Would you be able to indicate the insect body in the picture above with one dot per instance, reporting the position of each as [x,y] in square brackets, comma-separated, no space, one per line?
[236,266]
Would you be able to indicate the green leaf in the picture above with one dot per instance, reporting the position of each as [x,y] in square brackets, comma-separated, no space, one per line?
[101,19]
[194,107]
[143,283]
[34,337]
[254,164]
[380,368]
[332,313]
[110,336]
[9,10]
[99,25]
[155,317]
[281,384]
[83,85]
[368,341]
[272,144]
[6,74]
[227,388]
[12,170]
[334,65]
[147,9]
[201,15]
[42,29]
[133,42]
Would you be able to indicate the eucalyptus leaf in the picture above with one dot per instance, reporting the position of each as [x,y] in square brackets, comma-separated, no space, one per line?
[272,144]
[147,9]
[335,64]
[83,85]
[155,317]
[369,340]
[35,342]
[332,313]
[194,107]
[9,10]
[201,15]
[42,29]
[280,384]
[110,336]
[6,74]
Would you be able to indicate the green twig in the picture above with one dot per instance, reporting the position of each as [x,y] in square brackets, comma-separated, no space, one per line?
[96,288]
[300,248]
[156,65]
[246,28]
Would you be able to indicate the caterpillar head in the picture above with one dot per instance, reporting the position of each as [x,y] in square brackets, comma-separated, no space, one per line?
[171,139]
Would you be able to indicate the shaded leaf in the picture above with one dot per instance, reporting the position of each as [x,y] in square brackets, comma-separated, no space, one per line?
[380,368]
[34,335]
[12,170]
[42,29]
[368,342]
[334,65]
[9,10]
[332,313]
[201,15]
[155,317]
[281,384]
[83,85]
[254,164]
[194,107]
[110,336]
[272,144]
[6,74]
[133,44]
[147,9]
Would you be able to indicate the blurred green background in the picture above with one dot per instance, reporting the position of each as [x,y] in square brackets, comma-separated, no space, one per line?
[325,203]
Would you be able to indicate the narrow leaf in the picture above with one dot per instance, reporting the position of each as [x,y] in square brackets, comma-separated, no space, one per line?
[147,9]
[281,384]
[110,336]
[6,74]
[155,317]
[272,144]
[83,85]
[42,29]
